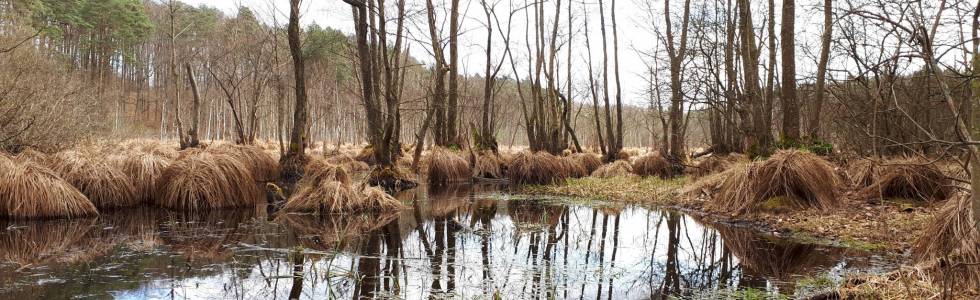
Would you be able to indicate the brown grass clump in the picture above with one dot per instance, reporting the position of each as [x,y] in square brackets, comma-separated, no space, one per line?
[715,164]
[489,165]
[263,165]
[32,155]
[144,170]
[445,166]
[952,239]
[623,155]
[572,167]
[614,169]
[590,161]
[348,162]
[103,183]
[652,165]
[28,190]
[905,178]
[206,180]
[327,189]
[379,200]
[535,168]
[801,178]
[366,155]
[862,172]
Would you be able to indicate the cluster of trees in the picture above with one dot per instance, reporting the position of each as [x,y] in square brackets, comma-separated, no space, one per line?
[883,78]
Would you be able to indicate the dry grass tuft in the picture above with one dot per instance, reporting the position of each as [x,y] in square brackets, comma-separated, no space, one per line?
[348,162]
[144,170]
[326,189]
[263,165]
[29,190]
[716,164]
[32,155]
[614,169]
[205,180]
[652,165]
[102,182]
[572,167]
[590,161]
[377,199]
[366,155]
[800,178]
[903,178]
[445,166]
[535,168]
[489,165]
[625,155]
[952,238]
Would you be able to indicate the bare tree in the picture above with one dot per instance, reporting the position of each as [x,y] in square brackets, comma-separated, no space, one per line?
[295,158]
[821,84]
[791,109]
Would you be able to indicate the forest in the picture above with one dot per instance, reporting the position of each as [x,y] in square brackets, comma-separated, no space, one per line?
[504,149]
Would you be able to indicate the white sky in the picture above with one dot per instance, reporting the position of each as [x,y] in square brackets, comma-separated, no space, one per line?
[633,26]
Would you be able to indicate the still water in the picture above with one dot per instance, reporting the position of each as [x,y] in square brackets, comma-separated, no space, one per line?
[463,242]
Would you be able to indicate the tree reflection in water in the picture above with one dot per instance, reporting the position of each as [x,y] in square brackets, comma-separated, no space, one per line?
[457,242]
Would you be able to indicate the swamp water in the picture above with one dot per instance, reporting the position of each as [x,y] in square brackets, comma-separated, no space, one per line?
[462,243]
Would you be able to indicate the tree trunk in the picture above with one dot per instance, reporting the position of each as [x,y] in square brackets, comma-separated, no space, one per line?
[192,136]
[295,158]
[819,88]
[791,109]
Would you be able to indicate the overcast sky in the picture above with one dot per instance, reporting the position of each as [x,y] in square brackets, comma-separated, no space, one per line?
[634,26]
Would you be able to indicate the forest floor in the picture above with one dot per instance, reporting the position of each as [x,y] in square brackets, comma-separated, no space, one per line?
[889,227]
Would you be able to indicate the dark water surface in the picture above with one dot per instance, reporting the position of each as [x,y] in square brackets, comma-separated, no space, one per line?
[463,243]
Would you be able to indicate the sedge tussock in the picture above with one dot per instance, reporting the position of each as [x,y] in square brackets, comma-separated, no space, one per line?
[652,165]
[264,166]
[614,169]
[348,162]
[29,190]
[715,164]
[103,183]
[535,168]
[144,170]
[445,166]
[488,165]
[327,189]
[902,178]
[803,179]
[952,238]
[572,167]
[590,161]
[203,180]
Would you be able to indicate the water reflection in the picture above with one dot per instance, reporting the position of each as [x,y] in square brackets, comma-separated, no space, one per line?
[457,242]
